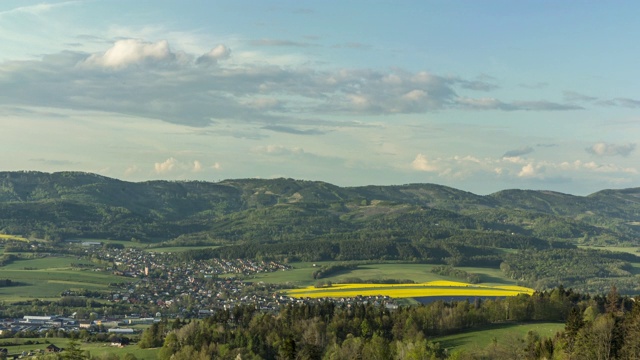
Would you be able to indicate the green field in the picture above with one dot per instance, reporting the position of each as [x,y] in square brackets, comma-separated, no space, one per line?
[301,274]
[126,243]
[95,349]
[481,338]
[179,248]
[46,278]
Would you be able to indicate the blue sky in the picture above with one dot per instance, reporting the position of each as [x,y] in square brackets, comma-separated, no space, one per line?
[477,95]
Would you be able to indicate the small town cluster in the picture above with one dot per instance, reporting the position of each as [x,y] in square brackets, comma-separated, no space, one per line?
[156,286]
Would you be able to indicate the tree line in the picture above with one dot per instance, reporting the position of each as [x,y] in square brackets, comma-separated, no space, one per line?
[601,327]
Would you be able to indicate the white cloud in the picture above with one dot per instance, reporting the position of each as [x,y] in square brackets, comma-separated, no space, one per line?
[131,170]
[131,51]
[421,163]
[166,166]
[216,166]
[605,149]
[278,150]
[220,52]
[595,167]
[197,166]
[514,159]
[528,171]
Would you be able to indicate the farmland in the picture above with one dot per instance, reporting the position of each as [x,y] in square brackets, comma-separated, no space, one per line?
[48,277]
[483,337]
[429,289]
[301,273]
[34,345]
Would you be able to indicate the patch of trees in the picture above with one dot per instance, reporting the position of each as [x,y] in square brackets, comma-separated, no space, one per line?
[506,240]
[333,269]
[585,270]
[7,259]
[456,273]
[437,252]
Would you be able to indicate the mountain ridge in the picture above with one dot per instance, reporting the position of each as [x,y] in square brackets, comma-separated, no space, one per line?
[38,203]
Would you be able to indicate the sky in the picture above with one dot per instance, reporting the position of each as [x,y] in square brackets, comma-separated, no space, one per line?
[478,95]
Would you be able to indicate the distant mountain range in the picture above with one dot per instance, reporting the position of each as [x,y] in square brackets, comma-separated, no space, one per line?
[66,205]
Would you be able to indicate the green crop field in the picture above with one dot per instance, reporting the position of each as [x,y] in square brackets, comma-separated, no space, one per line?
[125,243]
[46,278]
[301,274]
[94,349]
[174,249]
[481,338]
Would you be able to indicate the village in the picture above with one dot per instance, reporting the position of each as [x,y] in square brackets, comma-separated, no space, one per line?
[155,286]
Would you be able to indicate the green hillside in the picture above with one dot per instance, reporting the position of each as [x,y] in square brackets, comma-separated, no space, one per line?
[312,221]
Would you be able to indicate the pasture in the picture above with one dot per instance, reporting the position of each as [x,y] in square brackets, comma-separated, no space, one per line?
[301,274]
[46,278]
[481,338]
[174,249]
[94,349]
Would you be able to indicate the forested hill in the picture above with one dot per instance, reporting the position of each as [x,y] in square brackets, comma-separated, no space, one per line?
[72,204]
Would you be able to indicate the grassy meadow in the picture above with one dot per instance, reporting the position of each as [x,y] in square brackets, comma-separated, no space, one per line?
[301,274]
[483,337]
[174,249]
[94,349]
[46,278]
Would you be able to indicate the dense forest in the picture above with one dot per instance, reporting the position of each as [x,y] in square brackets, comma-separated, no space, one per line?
[535,237]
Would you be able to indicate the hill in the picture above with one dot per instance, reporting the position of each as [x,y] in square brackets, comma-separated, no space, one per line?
[313,220]
[68,204]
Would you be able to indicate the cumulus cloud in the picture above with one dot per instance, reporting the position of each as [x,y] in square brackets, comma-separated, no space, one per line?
[251,91]
[422,163]
[166,166]
[131,51]
[220,52]
[605,149]
[197,166]
[529,170]
[278,150]
[595,167]
[518,152]
[173,165]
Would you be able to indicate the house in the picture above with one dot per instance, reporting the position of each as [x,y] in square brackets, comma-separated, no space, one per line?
[85,324]
[120,342]
[53,349]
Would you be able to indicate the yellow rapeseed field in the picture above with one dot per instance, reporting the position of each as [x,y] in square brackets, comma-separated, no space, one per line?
[433,288]
[11,237]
